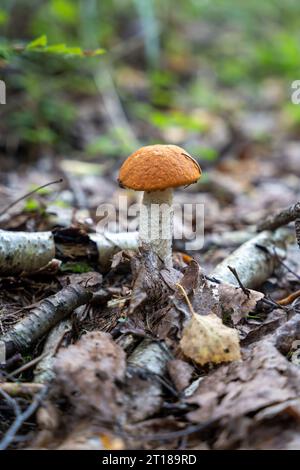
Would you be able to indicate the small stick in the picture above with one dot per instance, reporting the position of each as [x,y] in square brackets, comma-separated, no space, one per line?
[234,272]
[26,366]
[289,299]
[11,433]
[28,195]
[281,218]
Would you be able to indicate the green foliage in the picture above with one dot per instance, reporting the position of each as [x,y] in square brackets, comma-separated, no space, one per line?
[75,267]
[190,54]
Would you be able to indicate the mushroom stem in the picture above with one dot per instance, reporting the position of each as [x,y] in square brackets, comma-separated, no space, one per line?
[156,223]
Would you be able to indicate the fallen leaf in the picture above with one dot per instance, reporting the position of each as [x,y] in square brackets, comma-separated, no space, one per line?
[205,339]
[264,377]
[236,303]
[86,376]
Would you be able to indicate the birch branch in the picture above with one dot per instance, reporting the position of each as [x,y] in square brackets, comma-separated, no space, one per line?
[21,251]
[30,252]
[42,318]
[281,218]
[253,264]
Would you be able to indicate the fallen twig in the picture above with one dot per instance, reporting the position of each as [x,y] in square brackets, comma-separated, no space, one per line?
[28,195]
[27,366]
[21,418]
[234,272]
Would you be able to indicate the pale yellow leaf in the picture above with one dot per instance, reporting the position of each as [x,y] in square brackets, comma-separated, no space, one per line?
[205,339]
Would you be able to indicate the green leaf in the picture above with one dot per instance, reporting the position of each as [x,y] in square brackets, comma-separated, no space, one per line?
[62,49]
[37,43]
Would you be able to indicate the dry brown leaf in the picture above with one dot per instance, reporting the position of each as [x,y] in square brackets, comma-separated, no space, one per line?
[236,303]
[205,339]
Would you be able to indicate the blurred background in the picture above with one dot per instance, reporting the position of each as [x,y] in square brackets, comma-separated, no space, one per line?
[90,81]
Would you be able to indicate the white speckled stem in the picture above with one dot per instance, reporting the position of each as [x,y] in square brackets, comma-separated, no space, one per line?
[156,223]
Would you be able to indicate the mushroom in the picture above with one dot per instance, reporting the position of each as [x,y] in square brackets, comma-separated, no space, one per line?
[156,170]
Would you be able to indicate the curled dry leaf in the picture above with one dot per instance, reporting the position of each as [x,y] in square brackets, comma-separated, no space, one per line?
[205,339]
[235,302]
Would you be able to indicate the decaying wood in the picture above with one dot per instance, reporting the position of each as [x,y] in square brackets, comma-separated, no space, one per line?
[255,260]
[281,218]
[42,318]
[30,252]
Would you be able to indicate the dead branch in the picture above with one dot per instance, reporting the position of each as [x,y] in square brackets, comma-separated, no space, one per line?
[42,318]
[281,218]
[255,260]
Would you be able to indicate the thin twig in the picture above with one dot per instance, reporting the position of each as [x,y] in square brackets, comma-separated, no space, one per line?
[12,431]
[234,272]
[13,403]
[28,195]
[29,364]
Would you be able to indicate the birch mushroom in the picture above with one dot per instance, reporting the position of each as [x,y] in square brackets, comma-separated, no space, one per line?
[156,170]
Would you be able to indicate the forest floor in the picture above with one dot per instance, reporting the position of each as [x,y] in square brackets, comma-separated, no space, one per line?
[105,391]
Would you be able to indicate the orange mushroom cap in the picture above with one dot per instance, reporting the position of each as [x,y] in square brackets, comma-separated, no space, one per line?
[158,167]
